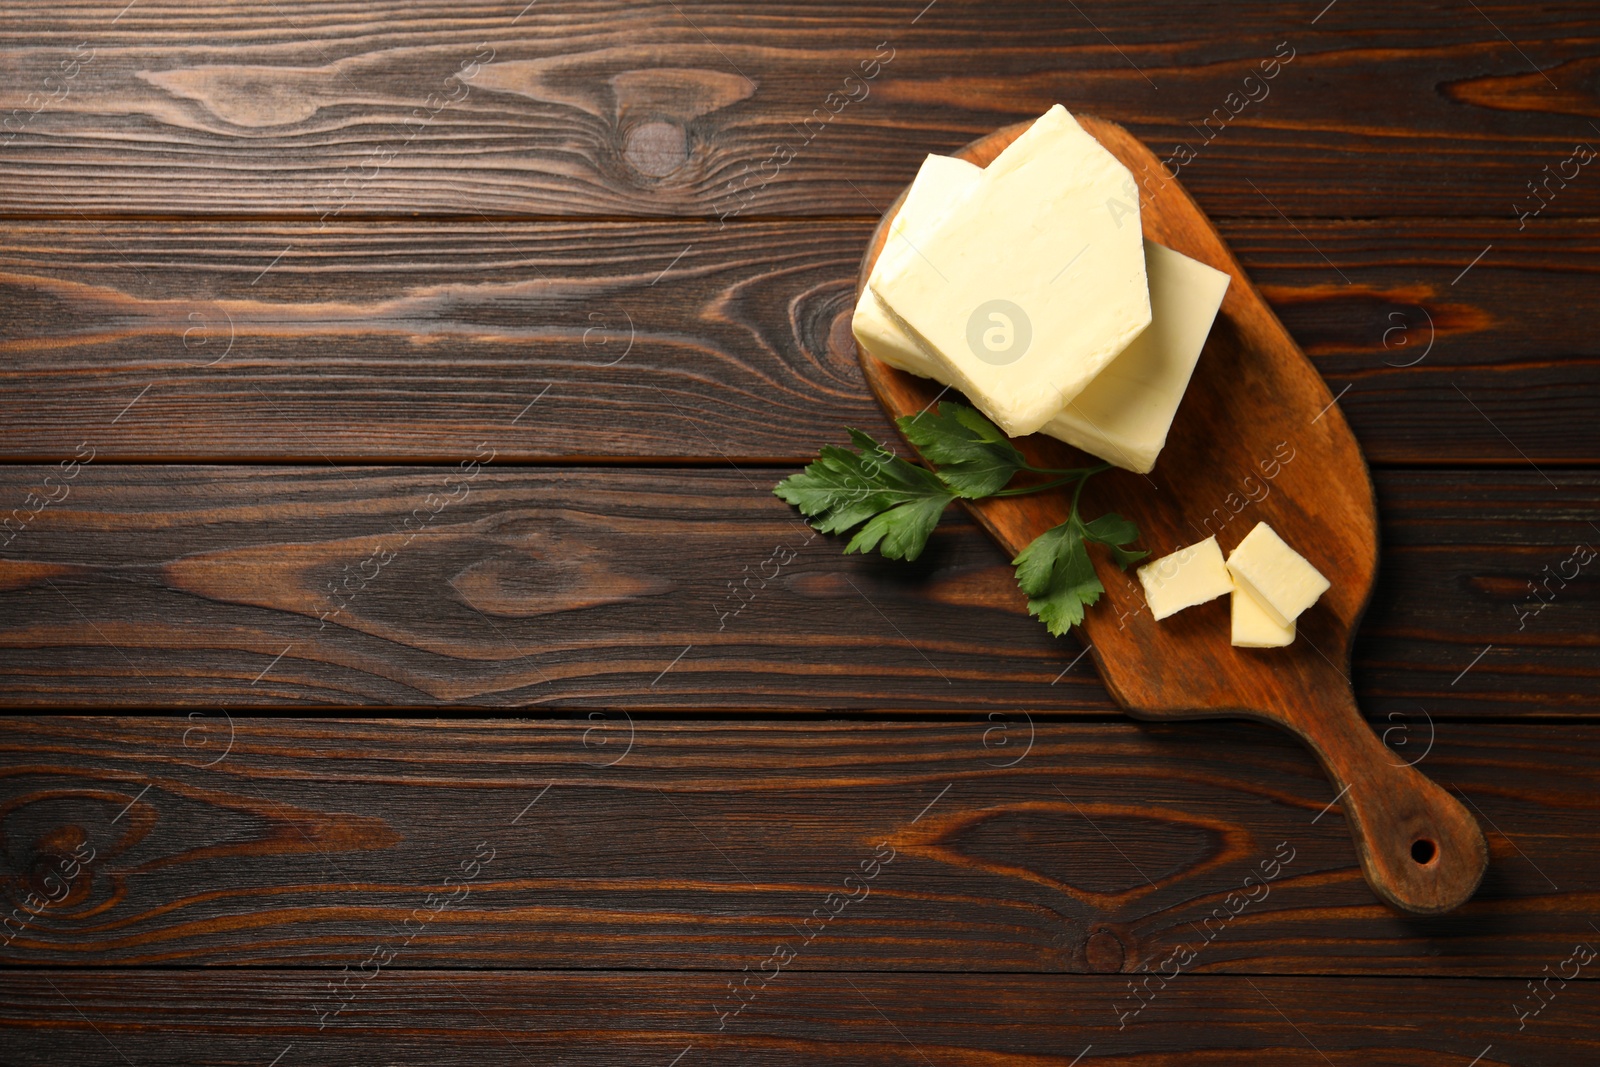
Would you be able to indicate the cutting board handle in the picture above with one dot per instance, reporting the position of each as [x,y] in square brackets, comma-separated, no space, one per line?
[1419,848]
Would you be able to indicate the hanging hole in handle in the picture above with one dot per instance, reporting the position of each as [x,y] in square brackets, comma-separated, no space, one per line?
[1423,851]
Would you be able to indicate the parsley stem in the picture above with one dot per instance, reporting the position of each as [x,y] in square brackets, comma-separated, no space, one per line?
[1075,474]
[1076,493]
[1075,471]
[1080,478]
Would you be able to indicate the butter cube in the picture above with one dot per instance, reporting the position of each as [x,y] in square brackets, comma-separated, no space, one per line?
[1034,282]
[1280,578]
[1185,578]
[1254,626]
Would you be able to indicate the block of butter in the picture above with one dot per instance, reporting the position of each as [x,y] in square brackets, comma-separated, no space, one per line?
[941,182]
[1032,283]
[1282,581]
[1187,577]
[1253,624]
[1123,415]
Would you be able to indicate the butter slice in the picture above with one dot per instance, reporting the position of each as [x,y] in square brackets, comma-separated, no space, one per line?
[1056,123]
[1124,414]
[878,334]
[941,182]
[1280,578]
[1047,248]
[1254,626]
[1187,577]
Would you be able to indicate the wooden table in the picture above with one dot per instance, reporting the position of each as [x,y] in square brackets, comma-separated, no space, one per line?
[424,354]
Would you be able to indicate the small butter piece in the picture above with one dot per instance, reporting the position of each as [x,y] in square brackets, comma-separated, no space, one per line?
[1254,626]
[1185,578]
[1281,579]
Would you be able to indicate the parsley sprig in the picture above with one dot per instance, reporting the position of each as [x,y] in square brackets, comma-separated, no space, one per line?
[897,504]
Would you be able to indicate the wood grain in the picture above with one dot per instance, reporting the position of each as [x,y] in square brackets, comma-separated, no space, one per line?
[1008,845]
[685,588]
[399,341]
[645,1020]
[402,341]
[605,108]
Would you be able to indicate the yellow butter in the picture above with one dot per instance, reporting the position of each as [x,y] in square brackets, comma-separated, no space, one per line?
[1032,283]
[1187,577]
[1281,579]
[1253,624]
[1124,414]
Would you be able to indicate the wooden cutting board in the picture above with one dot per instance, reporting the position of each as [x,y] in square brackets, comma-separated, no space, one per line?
[1258,438]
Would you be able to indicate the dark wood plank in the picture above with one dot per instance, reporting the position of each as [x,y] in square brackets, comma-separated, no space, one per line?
[652,1020]
[998,844]
[1503,562]
[399,341]
[673,588]
[1442,364]
[609,108]
[412,341]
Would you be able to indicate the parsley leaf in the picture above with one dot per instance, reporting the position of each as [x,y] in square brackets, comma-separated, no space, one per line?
[897,504]
[1057,574]
[902,531]
[899,501]
[1114,531]
[974,456]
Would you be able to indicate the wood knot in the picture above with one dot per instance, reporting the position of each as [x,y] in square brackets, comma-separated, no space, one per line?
[656,149]
[1103,952]
[841,341]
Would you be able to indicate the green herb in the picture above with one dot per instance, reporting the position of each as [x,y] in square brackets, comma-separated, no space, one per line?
[900,502]
[974,457]
[1055,571]
[897,504]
